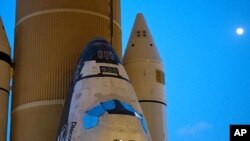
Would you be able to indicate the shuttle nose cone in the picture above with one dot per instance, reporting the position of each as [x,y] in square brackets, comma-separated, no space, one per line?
[99,50]
[141,46]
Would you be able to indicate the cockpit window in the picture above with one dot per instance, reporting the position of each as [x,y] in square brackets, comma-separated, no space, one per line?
[90,121]
[128,107]
[108,105]
[142,120]
[144,124]
[138,115]
[91,117]
[96,111]
[120,109]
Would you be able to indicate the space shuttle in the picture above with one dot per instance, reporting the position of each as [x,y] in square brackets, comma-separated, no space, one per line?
[106,103]
[102,104]
[108,99]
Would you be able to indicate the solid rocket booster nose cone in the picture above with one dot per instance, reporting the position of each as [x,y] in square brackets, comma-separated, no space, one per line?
[146,72]
[3,39]
[140,21]
[141,46]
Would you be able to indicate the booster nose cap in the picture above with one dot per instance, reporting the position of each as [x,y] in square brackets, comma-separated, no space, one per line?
[4,45]
[141,46]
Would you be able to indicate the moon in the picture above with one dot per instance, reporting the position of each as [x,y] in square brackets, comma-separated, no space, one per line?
[239,31]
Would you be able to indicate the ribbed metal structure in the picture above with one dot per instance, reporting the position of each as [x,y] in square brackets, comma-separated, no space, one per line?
[49,37]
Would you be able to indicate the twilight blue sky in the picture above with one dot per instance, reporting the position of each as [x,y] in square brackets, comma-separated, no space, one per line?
[207,64]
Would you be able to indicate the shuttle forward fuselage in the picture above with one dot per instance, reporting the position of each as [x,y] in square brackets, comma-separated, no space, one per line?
[102,105]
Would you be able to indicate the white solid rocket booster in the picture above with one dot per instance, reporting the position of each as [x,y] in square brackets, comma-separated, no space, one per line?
[145,70]
[5,68]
